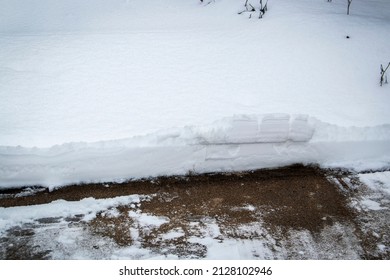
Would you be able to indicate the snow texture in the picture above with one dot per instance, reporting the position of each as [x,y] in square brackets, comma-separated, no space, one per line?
[108,90]
[378,181]
[88,207]
[296,139]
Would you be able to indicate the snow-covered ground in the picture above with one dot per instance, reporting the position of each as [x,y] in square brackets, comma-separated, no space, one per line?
[65,237]
[102,90]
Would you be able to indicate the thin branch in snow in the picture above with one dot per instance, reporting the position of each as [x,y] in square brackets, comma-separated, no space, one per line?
[349,4]
[207,2]
[263,9]
[383,72]
[247,9]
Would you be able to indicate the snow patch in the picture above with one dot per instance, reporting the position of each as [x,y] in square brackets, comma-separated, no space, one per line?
[378,181]
[61,208]
[173,234]
[372,205]
[148,221]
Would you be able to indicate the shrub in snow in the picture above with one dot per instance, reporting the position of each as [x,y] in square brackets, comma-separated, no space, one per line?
[263,9]
[249,8]
[383,74]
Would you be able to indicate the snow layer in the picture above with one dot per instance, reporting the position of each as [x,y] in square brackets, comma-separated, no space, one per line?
[94,70]
[238,143]
[101,90]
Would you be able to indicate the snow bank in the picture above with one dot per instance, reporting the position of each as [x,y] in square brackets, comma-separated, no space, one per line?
[231,144]
[269,128]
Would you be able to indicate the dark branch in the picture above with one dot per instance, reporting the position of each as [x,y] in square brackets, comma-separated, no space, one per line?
[383,71]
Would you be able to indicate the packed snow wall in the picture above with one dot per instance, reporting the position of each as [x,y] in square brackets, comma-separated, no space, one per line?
[239,143]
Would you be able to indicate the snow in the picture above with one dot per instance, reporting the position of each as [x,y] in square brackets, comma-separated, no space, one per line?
[382,247]
[61,208]
[372,205]
[65,239]
[173,234]
[379,181]
[99,90]
[145,220]
[72,242]
[217,147]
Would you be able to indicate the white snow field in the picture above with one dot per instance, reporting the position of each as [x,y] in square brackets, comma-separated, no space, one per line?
[109,90]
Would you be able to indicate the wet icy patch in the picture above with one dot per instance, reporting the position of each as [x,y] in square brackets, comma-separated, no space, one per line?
[87,207]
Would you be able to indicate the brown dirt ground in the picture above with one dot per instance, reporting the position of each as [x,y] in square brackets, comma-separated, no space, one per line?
[300,196]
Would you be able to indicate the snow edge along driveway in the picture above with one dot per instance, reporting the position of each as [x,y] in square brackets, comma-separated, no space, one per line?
[244,142]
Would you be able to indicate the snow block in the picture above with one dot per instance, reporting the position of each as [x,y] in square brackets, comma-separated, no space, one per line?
[274,128]
[232,144]
[243,130]
[270,128]
[300,129]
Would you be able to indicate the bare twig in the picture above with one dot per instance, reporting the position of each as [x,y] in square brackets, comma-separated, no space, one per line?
[349,4]
[246,8]
[263,9]
[249,8]
[207,2]
[383,72]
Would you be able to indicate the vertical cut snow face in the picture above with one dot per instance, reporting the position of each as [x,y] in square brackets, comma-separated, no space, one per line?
[270,128]
[231,144]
